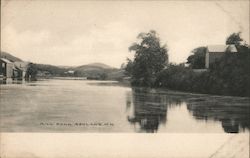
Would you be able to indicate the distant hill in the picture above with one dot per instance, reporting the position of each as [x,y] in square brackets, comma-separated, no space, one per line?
[94,70]
[117,74]
[101,65]
[53,70]
[97,71]
[9,57]
[66,67]
[95,65]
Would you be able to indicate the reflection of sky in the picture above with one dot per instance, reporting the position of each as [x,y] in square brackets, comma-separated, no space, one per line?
[181,120]
[63,101]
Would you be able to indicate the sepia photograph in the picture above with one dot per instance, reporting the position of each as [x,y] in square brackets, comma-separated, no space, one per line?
[125,78]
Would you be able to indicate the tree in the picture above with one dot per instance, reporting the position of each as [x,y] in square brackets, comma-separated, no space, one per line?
[31,71]
[234,38]
[103,76]
[149,59]
[129,67]
[233,70]
[197,59]
[123,66]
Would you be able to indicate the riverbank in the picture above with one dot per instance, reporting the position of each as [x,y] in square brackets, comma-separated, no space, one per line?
[127,83]
[69,78]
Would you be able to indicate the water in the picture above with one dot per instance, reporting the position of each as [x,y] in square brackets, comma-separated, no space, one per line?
[105,106]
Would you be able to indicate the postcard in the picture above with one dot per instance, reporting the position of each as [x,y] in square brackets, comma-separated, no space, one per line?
[127,79]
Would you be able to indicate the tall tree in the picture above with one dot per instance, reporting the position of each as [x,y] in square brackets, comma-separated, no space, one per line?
[234,38]
[149,59]
[197,59]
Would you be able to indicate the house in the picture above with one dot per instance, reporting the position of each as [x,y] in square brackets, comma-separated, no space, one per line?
[17,73]
[6,68]
[15,70]
[21,67]
[214,52]
[43,74]
[69,72]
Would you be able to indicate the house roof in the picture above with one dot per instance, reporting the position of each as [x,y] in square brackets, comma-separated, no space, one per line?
[221,48]
[5,60]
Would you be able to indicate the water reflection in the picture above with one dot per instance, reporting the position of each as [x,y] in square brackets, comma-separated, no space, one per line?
[149,110]
[11,81]
[233,115]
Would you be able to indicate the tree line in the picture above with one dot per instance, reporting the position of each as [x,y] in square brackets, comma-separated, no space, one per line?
[229,75]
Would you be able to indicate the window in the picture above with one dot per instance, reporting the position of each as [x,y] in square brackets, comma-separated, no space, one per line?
[3,65]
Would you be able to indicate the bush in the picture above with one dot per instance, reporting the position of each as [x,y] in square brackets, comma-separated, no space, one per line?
[228,76]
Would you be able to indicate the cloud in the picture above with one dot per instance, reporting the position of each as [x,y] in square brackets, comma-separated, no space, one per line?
[24,43]
[106,44]
[75,33]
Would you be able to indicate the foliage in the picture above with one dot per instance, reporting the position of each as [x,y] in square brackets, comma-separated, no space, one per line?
[149,59]
[175,77]
[233,72]
[31,71]
[53,70]
[129,67]
[230,75]
[178,77]
[197,59]
[234,38]
[92,72]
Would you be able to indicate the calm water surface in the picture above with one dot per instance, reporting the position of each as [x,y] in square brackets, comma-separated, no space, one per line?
[105,106]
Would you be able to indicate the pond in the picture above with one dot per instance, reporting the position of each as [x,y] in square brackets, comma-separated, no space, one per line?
[107,106]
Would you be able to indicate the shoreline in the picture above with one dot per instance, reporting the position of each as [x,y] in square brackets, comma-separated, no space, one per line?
[126,83]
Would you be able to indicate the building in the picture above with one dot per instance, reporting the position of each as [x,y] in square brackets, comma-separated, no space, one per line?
[214,52]
[43,74]
[70,72]
[15,70]
[6,68]
[21,69]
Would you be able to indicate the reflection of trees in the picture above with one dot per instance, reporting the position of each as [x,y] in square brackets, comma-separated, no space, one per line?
[149,109]
[232,115]
[230,125]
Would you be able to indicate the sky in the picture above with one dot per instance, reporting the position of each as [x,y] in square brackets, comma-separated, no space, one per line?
[73,33]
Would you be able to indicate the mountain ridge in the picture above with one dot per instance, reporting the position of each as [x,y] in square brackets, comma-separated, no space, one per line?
[95,64]
[95,70]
